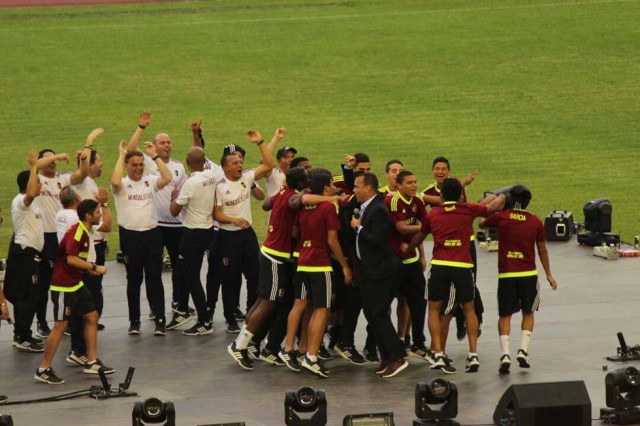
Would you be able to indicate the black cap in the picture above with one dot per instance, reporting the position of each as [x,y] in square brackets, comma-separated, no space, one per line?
[283,151]
[228,149]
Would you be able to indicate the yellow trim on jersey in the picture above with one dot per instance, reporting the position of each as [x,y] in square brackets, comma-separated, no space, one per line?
[449,202]
[451,263]
[79,231]
[296,254]
[338,178]
[394,201]
[518,274]
[66,289]
[433,185]
[412,260]
[282,254]
[315,268]
[384,189]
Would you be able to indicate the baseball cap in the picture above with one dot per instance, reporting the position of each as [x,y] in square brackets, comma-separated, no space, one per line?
[283,151]
[228,149]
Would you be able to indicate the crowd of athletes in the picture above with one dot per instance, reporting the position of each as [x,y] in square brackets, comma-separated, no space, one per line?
[337,244]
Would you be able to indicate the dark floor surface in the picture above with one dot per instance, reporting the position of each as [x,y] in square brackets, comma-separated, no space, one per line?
[575,329]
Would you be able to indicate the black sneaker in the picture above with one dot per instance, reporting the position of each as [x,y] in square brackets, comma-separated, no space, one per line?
[95,367]
[76,358]
[270,357]
[505,364]
[240,356]
[199,329]
[174,309]
[178,320]
[160,329]
[210,312]
[523,359]
[253,349]
[239,315]
[421,352]
[407,342]
[323,353]
[27,345]
[371,355]
[101,327]
[290,360]
[67,331]
[315,367]
[48,376]
[152,316]
[232,327]
[349,353]
[3,398]
[441,363]
[134,328]
[473,364]
[43,330]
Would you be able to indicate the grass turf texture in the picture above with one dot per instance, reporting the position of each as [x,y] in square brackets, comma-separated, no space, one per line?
[543,93]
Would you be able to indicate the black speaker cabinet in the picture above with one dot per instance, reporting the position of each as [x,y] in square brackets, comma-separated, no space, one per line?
[558,225]
[545,404]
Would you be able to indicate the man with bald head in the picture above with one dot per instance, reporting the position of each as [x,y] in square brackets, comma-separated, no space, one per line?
[195,201]
[170,227]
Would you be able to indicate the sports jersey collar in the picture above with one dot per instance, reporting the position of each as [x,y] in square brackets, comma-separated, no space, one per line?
[449,202]
[404,199]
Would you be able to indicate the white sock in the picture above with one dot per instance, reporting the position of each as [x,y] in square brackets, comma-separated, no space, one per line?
[312,358]
[439,354]
[526,338]
[243,339]
[504,344]
[472,354]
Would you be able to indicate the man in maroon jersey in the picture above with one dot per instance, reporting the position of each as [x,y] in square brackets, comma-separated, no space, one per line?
[518,287]
[451,225]
[408,213]
[66,282]
[319,226]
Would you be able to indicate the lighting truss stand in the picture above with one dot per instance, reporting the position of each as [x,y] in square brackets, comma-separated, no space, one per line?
[106,392]
[625,353]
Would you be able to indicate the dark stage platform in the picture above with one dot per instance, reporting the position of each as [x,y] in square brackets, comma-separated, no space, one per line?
[575,330]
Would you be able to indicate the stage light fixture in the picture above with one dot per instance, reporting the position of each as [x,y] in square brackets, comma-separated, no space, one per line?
[436,403]
[622,389]
[154,411]
[371,419]
[307,401]
[597,215]
[6,420]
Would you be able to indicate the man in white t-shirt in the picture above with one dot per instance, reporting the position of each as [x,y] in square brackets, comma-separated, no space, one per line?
[195,201]
[170,227]
[284,156]
[140,238]
[238,244]
[49,204]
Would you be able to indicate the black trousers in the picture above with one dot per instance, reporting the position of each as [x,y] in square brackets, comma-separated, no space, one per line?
[412,287]
[93,283]
[192,247]
[142,251]
[171,237]
[49,252]
[239,252]
[349,299]
[21,287]
[377,295]
[214,273]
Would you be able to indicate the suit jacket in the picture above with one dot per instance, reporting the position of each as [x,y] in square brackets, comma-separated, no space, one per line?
[377,259]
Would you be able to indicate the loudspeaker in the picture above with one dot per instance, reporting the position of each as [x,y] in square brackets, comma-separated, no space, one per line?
[545,404]
[597,215]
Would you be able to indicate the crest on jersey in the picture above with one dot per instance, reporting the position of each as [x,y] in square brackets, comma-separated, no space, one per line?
[404,211]
[176,172]
[243,184]
[414,208]
[59,185]
[146,182]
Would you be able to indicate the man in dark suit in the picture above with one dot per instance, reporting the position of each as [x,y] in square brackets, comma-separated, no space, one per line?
[379,268]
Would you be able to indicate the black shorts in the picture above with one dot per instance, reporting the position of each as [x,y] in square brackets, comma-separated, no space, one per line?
[450,284]
[518,294]
[317,287]
[275,279]
[79,303]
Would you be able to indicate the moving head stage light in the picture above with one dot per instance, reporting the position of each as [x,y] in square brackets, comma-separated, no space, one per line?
[622,389]
[436,403]
[305,400]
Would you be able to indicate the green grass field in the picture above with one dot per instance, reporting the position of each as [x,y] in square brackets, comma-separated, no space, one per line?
[540,92]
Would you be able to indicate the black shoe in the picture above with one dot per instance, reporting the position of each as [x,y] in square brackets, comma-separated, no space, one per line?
[253,349]
[323,353]
[160,329]
[240,356]
[67,331]
[134,328]
[350,354]
[422,352]
[523,359]
[95,367]
[240,316]
[48,376]
[76,358]
[101,327]
[43,330]
[505,364]
[441,363]
[473,364]
[27,345]
[232,327]
[371,355]
[270,357]
[315,367]
[178,320]
[290,360]
[199,330]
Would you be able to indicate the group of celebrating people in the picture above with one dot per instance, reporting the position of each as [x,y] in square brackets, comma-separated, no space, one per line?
[336,245]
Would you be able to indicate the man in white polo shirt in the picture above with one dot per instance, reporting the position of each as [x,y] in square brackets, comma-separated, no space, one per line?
[276,177]
[170,227]
[238,244]
[140,239]
[195,200]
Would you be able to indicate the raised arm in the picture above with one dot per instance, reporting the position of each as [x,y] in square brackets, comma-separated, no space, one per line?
[268,162]
[165,174]
[496,204]
[116,177]
[196,133]
[143,122]
[271,147]
[102,197]
[32,184]
[78,176]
